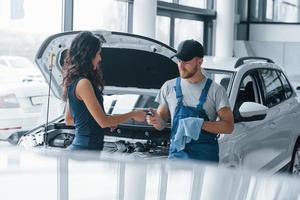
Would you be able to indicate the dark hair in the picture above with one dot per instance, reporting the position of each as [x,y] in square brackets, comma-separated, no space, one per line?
[78,62]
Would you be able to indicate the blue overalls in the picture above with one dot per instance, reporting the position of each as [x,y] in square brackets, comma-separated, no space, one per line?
[206,148]
[88,134]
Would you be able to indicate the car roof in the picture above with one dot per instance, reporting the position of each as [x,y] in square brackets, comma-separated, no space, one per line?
[233,63]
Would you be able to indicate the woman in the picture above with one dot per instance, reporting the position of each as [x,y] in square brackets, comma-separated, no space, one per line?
[82,89]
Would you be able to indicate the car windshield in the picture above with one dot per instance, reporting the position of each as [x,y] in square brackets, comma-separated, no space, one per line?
[223,78]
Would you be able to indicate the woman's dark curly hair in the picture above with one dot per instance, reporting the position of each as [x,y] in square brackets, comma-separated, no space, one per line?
[78,62]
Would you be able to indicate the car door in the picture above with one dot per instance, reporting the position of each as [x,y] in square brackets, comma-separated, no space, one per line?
[277,98]
[252,133]
[266,142]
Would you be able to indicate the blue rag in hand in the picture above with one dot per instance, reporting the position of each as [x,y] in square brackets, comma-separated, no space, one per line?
[188,129]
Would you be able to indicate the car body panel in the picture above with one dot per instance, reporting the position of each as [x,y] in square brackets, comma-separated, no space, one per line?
[272,137]
[30,97]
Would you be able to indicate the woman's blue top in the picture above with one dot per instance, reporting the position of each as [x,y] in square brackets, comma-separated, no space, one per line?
[88,134]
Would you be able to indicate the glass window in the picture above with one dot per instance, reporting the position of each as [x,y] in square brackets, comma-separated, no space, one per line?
[242,6]
[95,14]
[248,92]
[221,77]
[194,3]
[287,88]
[24,25]
[272,10]
[269,12]
[287,10]
[273,89]
[188,29]
[163,29]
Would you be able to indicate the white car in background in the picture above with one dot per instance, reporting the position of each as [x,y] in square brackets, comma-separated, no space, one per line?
[20,106]
[267,114]
[22,69]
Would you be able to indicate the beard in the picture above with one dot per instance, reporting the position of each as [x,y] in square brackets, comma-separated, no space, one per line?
[188,74]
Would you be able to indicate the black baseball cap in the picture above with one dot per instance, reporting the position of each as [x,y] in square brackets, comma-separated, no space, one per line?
[188,49]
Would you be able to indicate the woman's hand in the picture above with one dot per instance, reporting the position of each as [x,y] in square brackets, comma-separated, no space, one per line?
[139,115]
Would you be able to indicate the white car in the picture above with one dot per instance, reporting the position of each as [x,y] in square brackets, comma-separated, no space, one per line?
[20,106]
[267,114]
[22,68]
[295,82]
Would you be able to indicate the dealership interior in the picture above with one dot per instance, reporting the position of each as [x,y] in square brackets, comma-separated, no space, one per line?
[249,51]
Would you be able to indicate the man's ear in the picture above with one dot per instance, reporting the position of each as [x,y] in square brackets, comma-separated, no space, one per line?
[200,61]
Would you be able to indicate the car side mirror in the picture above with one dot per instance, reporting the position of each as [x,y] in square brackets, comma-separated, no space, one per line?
[251,111]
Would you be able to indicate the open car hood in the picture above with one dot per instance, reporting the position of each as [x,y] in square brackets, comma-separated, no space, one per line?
[128,60]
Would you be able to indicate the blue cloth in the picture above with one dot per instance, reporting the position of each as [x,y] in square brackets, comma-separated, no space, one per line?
[88,134]
[188,129]
[206,147]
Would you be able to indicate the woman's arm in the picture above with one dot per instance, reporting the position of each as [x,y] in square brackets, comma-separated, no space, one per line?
[85,92]
[68,116]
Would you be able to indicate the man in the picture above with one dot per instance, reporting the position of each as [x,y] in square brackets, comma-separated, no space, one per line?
[193,102]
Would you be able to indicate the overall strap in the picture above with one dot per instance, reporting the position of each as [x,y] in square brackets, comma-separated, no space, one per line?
[204,93]
[178,91]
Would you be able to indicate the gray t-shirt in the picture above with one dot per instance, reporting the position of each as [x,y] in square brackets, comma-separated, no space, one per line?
[216,99]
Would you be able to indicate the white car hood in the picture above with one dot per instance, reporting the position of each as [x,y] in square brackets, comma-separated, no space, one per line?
[127,60]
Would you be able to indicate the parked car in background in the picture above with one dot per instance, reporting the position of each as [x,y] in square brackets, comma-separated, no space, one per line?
[22,68]
[267,114]
[20,106]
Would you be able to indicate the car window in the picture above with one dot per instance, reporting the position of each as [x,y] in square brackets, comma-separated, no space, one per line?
[273,90]
[286,86]
[221,77]
[248,92]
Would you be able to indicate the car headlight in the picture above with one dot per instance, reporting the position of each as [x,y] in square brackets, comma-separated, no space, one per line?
[9,101]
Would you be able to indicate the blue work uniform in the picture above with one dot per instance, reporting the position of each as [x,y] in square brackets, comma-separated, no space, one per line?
[206,148]
[88,134]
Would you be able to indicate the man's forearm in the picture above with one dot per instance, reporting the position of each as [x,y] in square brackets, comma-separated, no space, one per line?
[161,124]
[218,127]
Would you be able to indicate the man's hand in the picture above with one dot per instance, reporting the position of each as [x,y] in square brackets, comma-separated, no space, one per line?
[154,119]
[112,128]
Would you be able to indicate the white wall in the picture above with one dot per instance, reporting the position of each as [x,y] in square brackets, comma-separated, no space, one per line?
[275,32]
[285,54]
